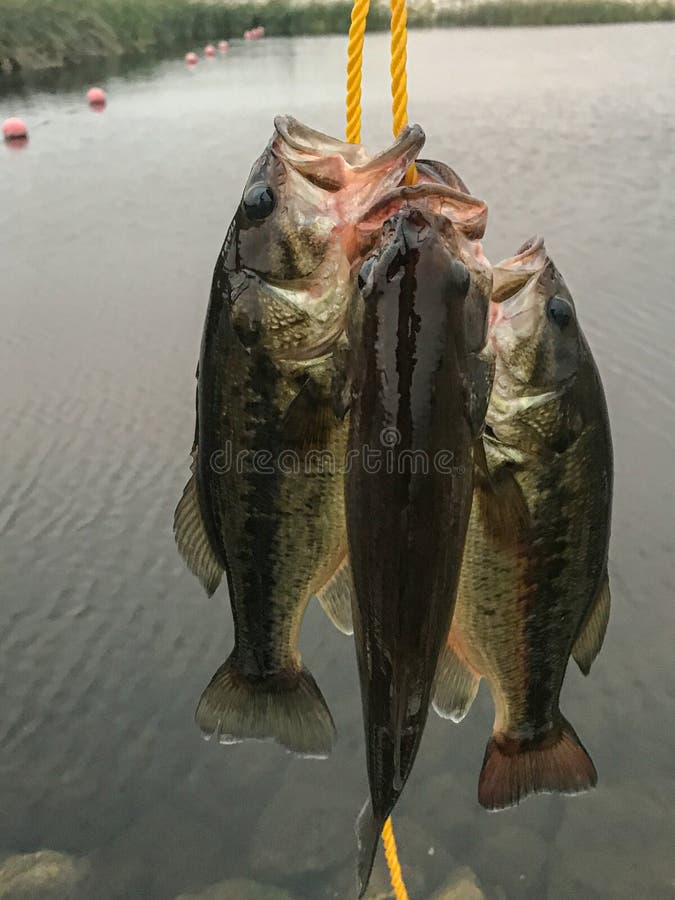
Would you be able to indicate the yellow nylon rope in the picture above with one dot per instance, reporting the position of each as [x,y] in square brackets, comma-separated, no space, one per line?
[399,78]
[357,33]
[389,842]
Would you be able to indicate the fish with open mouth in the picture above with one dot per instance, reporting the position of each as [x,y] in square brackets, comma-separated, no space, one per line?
[417,387]
[529,598]
[265,503]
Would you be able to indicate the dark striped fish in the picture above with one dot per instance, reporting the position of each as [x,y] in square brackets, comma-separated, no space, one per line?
[416,335]
[531,597]
[265,503]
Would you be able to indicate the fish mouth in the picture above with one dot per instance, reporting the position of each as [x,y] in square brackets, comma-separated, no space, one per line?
[435,171]
[512,274]
[524,302]
[403,150]
[333,164]
[528,249]
[308,140]
[466,213]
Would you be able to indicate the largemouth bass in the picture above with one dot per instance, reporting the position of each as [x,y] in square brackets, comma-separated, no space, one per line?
[529,598]
[416,336]
[265,504]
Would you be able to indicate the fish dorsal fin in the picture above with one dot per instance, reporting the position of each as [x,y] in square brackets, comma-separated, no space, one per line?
[593,628]
[193,541]
[456,683]
[335,597]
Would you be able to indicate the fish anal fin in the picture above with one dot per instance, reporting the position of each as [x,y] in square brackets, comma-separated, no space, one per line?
[193,541]
[513,769]
[593,628]
[335,597]
[456,683]
[287,707]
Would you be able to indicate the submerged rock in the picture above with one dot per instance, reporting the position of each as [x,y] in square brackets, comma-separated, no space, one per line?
[304,831]
[238,889]
[463,885]
[45,875]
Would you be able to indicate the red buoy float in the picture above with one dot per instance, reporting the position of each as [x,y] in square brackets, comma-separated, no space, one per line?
[96,98]
[222,46]
[209,50]
[191,59]
[15,129]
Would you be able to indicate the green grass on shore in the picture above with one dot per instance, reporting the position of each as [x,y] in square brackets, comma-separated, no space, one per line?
[38,34]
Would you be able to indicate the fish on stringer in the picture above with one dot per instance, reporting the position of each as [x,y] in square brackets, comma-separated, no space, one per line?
[417,389]
[529,598]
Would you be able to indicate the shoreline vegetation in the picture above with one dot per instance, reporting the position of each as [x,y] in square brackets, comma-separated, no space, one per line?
[43,34]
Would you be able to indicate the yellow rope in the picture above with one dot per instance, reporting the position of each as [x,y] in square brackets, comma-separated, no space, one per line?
[399,58]
[399,78]
[389,842]
[357,33]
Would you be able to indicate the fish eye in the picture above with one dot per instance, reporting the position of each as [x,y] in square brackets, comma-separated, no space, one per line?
[560,311]
[258,202]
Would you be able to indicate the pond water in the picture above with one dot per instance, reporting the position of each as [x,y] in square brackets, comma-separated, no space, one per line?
[110,225]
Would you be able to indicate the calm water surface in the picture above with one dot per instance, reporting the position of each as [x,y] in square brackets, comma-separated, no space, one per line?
[109,228]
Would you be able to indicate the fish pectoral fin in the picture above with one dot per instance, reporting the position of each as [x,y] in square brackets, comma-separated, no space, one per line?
[193,541]
[502,504]
[309,419]
[512,769]
[456,684]
[336,597]
[286,707]
[593,628]
[342,394]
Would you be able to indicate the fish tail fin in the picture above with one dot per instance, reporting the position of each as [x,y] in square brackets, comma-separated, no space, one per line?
[456,684]
[368,831]
[513,769]
[287,707]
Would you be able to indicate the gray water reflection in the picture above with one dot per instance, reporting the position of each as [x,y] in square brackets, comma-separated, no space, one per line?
[109,228]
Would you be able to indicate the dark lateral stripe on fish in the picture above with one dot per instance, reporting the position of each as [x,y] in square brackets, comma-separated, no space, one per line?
[545,675]
[406,347]
[262,530]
